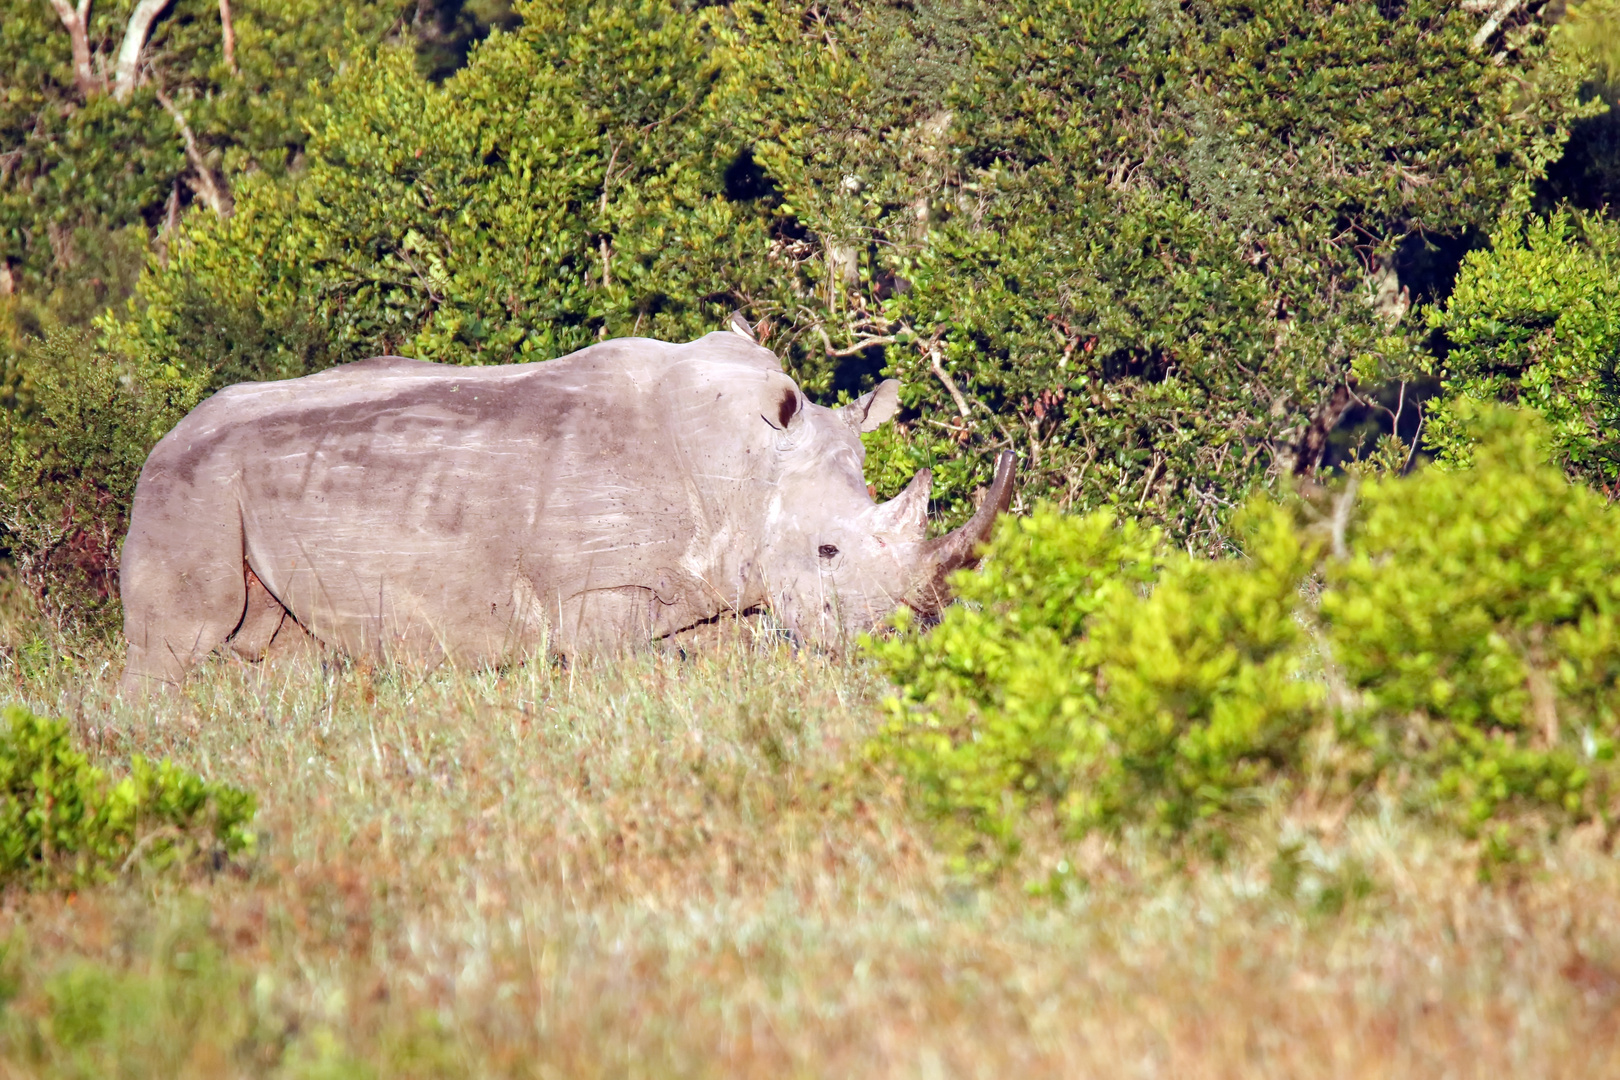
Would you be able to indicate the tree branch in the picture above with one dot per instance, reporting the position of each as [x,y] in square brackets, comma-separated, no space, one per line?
[77,22]
[1342,506]
[861,346]
[129,53]
[1494,23]
[227,31]
[944,376]
[210,189]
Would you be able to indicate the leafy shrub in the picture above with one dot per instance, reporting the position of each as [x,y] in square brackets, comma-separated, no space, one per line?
[83,163]
[569,184]
[1478,615]
[1116,236]
[1535,321]
[74,442]
[1151,296]
[1118,681]
[62,820]
[1095,675]
[1005,685]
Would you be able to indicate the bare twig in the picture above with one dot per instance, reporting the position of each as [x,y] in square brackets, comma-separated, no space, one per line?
[1158,463]
[1494,23]
[607,174]
[861,346]
[936,361]
[212,190]
[166,832]
[1342,506]
[947,427]
[605,247]
[1417,437]
[417,270]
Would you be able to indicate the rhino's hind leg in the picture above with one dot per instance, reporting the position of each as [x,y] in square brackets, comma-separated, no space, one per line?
[184,592]
[261,620]
[268,630]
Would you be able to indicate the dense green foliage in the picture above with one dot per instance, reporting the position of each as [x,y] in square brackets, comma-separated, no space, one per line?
[63,821]
[81,162]
[1477,616]
[1138,241]
[1154,229]
[1535,320]
[1588,175]
[94,181]
[71,449]
[566,185]
[1463,655]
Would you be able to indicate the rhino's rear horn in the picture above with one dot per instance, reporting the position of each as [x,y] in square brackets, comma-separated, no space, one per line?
[905,517]
[960,548]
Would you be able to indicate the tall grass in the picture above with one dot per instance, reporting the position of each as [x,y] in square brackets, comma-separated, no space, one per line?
[681,866]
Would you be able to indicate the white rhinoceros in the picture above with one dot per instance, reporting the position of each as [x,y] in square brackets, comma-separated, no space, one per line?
[409,510]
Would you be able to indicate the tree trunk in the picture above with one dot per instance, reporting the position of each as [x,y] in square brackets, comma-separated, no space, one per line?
[228,34]
[129,53]
[77,22]
[1313,443]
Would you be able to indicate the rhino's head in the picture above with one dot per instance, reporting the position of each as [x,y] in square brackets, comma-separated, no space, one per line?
[836,562]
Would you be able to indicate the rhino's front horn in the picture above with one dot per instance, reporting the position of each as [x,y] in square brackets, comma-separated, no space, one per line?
[951,552]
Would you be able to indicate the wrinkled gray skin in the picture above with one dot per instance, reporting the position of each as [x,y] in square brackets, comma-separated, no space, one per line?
[412,511]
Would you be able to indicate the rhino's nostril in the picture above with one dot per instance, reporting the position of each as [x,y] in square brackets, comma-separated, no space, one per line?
[827,551]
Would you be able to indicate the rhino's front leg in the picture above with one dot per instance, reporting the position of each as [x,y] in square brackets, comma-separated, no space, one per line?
[606,622]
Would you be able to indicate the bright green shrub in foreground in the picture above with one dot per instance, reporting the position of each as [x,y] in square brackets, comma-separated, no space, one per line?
[61,818]
[1012,708]
[1469,626]
[1063,679]
[1478,615]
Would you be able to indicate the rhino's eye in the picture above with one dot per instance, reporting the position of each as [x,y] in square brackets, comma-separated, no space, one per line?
[827,551]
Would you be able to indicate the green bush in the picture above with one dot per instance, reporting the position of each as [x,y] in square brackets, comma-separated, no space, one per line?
[1142,242]
[568,185]
[1535,321]
[79,163]
[1093,671]
[1153,297]
[1478,618]
[73,442]
[63,821]
[1463,652]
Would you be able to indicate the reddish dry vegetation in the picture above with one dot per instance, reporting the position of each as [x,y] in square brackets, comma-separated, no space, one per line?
[682,867]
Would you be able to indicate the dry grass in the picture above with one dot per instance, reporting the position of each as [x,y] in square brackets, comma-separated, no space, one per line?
[678,867]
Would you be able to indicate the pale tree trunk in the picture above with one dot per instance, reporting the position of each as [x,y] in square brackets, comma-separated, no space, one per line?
[210,189]
[77,22]
[228,33]
[129,53]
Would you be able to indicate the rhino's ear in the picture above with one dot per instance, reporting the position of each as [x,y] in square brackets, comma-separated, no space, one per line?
[873,409]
